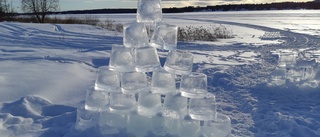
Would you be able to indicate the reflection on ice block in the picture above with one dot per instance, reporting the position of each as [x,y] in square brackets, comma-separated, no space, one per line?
[203,108]
[122,103]
[179,62]
[146,59]
[149,11]
[135,35]
[163,82]
[107,80]
[96,100]
[165,37]
[219,127]
[86,119]
[111,123]
[189,127]
[194,85]
[121,59]
[175,106]
[149,104]
[134,82]
[139,126]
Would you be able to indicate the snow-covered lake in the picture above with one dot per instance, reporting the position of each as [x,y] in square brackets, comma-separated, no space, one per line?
[266,79]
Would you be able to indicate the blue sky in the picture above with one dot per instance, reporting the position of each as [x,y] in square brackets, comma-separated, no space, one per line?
[99,4]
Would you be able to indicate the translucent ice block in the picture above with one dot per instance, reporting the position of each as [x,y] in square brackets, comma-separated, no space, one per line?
[107,80]
[139,126]
[189,128]
[112,123]
[86,119]
[175,106]
[149,104]
[287,59]
[203,108]
[165,37]
[194,85]
[146,59]
[219,127]
[163,82]
[122,103]
[96,100]
[135,35]
[122,59]
[149,11]
[278,76]
[179,62]
[134,82]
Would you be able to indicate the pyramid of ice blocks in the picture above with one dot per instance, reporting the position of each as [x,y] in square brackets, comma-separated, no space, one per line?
[126,101]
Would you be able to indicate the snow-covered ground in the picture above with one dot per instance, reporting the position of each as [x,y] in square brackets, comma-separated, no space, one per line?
[266,79]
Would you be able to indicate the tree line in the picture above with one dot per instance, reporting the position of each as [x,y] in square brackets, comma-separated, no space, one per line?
[269,6]
[230,7]
[6,9]
[39,9]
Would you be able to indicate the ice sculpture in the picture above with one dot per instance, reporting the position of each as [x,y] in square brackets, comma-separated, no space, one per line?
[126,102]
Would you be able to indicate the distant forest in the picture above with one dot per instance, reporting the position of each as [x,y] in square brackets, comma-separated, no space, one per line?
[231,7]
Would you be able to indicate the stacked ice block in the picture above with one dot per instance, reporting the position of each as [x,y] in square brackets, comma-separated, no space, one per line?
[126,101]
[294,70]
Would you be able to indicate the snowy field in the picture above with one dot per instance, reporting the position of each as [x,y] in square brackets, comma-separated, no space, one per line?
[266,78]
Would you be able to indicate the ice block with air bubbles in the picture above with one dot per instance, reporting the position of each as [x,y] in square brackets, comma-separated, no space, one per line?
[149,11]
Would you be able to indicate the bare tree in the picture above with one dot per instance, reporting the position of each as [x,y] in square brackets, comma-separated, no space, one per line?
[2,9]
[6,9]
[39,8]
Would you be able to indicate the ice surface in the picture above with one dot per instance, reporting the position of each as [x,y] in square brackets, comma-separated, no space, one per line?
[165,37]
[111,123]
[139,126]
[149,104]
[163,82]
[96,100]
[171,126]
[107,80]
[175,106]
[86,119]
[179,62]
[135,35]
[194,85]
[146,59]
[121,59]
[203,108]
[189,128]
[164,126]
[219,127]
[113,119]
[134,82]
[149,11]
[122,103]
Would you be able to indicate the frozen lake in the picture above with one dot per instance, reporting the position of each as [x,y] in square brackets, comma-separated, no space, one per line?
[266,78]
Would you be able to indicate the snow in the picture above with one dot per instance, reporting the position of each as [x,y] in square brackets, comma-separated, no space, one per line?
[46,69]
